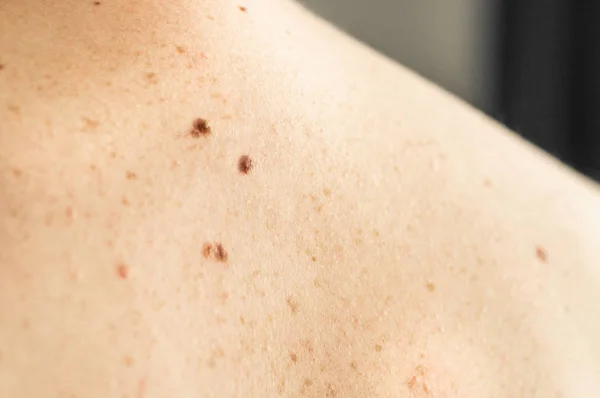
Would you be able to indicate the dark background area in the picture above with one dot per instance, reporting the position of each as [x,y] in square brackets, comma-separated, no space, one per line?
[533,65]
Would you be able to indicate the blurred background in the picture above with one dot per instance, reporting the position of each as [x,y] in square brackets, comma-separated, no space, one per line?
[534,65]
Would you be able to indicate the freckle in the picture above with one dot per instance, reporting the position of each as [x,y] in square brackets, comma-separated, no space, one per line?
[378,347]
[293,304]
[1,66]
[220,253]
[353,365]
[108,83]
[91,123]
[431,286]
[243,9]
[226,117]
[131,175]
[14,109]
[122,271]
[245,164]
[125,201]
[17,172]
[128,361]
[113,155]
[541,253]
[487,183]
[307,345]
[207,250]
[69,212]
[152,78]
[314,259]
[242,320]
[412,382]
[308,382]
[200,128]
[48,219]
[180,49]
[327,192]
[293,357]
[93,167]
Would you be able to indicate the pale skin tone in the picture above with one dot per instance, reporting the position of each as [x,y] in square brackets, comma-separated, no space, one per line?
[385,240]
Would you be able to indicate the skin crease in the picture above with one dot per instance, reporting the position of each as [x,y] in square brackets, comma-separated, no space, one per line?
[387,241]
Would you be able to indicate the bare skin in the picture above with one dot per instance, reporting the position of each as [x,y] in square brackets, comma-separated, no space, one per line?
[333,226]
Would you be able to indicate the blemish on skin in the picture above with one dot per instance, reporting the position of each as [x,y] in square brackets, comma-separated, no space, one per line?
[245,164]
[200,128]
[327,192]
[314,259]
[180,49]
[293,304]
[308,345]
[17,172]
[131,175]
[308,382]
[541,253]
[1,66]
[15,109]
[69,212]
[151,78]
[487,183]
[354,365]
[128,361]
[122,271]
[97,3]
[431,286]
[207,250]
[293,357]
[243,9]
[112,155]
[220,253]
[125,201]
[378,347]
[91,123]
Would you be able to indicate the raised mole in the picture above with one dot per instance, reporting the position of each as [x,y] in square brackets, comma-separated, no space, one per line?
[245,164]
[200,128]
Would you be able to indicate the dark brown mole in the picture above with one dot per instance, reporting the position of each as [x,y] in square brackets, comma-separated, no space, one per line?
[243,9]
[245,164]
[200,128]
[97,3]
[541,253]
[122,271]
[220,253]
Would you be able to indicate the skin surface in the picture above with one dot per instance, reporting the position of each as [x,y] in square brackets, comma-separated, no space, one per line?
[381,239]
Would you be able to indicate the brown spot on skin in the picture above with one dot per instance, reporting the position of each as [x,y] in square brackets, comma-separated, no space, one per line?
[314,259]
[293,304]
[243,9]
[151,78]
[378,347]
[308,345]
[207,250]
[1,66]
[353,365]
[122,271]
[327,192]
[112,155]
[431,286]
[17,172]
[487,183]
[69,212]
[14,109]
[128,361]
[293,357]
[180,49]
[412,382]
[91,123]
[308,382]
[200,128]
[131,175]
[541,253]
[125,201]
[245,164]
[220,253]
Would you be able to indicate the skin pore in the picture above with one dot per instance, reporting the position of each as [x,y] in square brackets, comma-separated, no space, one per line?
[212,198]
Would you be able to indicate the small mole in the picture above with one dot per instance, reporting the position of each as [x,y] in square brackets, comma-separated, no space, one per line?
[220,253]
[541,253]
[293,357]
[180,49]
[128,361]
[207,250]
[97,3]
[131,175]
[431,286]
[245,164]
[151,77]
[293,304]
[122,271]
[314,259]
[200,128]
[243,9]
